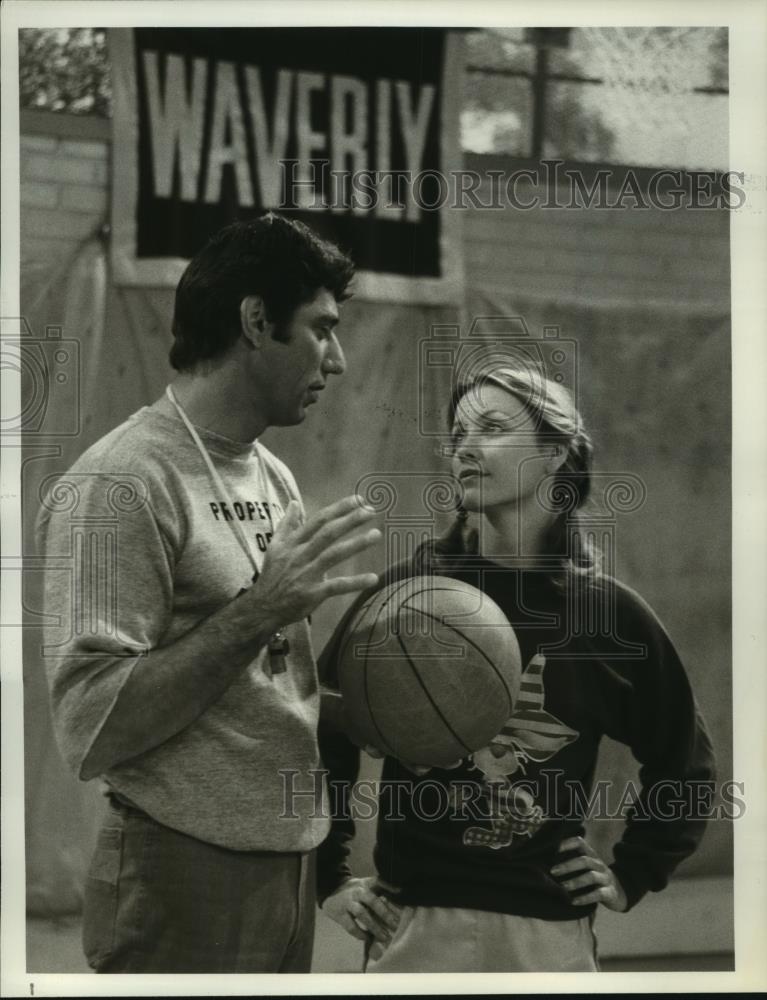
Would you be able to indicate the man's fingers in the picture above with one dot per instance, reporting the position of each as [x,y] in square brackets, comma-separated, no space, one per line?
[291,519]
[351,508]
[336,531]
[340,551]
[348,584]
[292,580]
[336,509]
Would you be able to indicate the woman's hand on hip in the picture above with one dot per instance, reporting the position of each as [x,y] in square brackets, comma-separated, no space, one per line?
[588,871]
[363,911]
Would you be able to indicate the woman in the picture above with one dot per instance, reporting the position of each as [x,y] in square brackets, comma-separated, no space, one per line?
[505,880]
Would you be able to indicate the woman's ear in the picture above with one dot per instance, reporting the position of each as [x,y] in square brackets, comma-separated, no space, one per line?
[557,453]
[255,326]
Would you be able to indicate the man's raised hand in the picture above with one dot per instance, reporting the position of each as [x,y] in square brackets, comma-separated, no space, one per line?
[292,582]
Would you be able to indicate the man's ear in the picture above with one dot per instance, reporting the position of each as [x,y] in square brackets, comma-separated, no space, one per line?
[256,328]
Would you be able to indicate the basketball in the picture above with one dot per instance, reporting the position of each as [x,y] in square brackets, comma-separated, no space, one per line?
[429,669]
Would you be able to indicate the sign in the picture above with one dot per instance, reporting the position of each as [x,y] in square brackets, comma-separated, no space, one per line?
[352,130]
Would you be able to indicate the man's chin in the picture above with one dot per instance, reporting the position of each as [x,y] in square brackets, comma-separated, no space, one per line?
[291,419]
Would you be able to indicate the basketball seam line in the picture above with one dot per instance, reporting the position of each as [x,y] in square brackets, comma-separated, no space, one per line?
[360,613]
[474,645]
[428,695]
[444,590]
[365,666]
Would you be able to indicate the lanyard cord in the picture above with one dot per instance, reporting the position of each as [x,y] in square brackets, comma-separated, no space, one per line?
[278,645]
[233,523]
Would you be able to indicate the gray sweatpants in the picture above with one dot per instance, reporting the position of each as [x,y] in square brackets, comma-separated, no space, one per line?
[157,900]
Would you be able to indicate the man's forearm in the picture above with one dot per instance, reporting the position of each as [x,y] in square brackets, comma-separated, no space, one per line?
[173,685]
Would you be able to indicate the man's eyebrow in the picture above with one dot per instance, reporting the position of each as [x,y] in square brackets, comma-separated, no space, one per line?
[328,319]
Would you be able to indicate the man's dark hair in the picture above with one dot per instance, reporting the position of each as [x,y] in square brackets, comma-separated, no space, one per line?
[283,261]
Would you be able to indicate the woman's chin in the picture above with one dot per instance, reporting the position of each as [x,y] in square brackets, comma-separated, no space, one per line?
[471,501]
[476,495]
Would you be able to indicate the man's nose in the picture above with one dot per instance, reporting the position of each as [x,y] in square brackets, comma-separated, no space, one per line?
[334,362]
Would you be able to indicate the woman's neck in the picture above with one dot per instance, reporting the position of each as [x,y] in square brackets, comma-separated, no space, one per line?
[514,533]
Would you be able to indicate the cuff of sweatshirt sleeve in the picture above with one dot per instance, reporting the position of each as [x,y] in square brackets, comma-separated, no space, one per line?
[633,889]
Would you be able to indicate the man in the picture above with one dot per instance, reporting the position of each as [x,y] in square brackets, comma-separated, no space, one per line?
[185,678]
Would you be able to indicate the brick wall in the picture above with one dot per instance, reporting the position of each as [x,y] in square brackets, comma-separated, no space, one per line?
[64,183]
[618,257]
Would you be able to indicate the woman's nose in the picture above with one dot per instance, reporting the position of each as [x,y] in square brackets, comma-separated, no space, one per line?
[466,447]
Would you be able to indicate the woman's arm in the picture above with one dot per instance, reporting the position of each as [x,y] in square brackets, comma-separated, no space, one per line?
[655,713]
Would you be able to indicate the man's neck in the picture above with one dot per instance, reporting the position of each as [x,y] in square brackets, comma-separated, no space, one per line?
[211,401]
